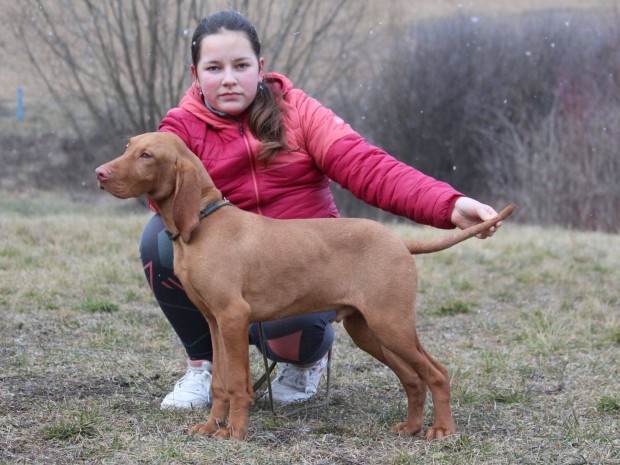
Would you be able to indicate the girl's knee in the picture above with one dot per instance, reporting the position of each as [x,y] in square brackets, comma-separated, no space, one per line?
[300,340]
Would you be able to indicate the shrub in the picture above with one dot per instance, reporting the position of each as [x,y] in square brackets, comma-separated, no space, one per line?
[517,109]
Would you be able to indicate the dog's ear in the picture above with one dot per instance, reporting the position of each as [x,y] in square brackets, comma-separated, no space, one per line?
[186,202]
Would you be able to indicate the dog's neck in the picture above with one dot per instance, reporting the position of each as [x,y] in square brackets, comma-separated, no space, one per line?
[208,205]
[210,195]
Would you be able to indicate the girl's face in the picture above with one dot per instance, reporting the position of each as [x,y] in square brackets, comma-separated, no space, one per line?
[228,71]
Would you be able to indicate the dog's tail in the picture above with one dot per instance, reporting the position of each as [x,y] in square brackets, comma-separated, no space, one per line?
[417,247]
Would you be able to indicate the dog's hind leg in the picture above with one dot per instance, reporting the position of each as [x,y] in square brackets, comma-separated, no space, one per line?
[395,330]
[444,423]
[415,388]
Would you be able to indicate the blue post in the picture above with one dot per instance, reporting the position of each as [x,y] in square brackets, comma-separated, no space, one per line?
[20,103]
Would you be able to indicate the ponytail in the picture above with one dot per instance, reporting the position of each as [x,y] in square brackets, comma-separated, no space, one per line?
[266,121]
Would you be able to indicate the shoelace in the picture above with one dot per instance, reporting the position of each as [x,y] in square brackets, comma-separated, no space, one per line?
[300,378]
[190,374]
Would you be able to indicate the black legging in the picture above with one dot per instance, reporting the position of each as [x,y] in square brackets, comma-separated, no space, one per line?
[301,340]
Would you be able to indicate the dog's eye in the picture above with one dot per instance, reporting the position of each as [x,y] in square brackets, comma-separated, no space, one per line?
[145,155]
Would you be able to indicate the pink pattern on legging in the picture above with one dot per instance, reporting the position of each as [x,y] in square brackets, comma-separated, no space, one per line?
[286,347]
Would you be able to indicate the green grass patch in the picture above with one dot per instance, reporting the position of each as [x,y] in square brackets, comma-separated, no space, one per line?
[90,305]
[510,395]
[458,307]
[608,404]
[79,426]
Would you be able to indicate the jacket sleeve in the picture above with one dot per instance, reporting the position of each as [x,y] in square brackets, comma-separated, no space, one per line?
[382,181]
[173,122]
[371,174]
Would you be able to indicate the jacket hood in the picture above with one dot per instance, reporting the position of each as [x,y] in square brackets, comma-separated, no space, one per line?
[193,103]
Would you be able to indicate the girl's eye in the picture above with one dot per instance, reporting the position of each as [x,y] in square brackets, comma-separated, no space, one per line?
[212,68]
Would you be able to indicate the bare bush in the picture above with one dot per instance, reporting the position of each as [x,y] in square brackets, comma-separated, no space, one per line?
[519,108]
[116,67]
[562,171]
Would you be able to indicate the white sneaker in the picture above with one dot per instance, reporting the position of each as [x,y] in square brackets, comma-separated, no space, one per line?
[192,391]
[296,384]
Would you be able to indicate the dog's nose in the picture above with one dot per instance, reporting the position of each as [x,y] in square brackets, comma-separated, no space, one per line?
[103,173]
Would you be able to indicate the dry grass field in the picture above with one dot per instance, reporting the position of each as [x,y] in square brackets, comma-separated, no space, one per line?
[528,323]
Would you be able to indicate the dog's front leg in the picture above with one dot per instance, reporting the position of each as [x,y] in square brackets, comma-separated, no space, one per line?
[234,328]
[220,405]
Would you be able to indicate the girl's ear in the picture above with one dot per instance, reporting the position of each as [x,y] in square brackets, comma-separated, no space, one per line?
[194,76]
[261,67]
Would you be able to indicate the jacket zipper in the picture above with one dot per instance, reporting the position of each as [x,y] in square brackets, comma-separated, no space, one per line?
[248,148]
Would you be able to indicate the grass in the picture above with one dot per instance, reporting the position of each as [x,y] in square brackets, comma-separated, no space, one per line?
[97,305]
[79,426]
[528,324]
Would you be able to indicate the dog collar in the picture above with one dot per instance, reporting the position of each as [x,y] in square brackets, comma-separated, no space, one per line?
[201,215]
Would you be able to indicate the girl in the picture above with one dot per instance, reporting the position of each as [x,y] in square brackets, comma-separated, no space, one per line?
[273,150]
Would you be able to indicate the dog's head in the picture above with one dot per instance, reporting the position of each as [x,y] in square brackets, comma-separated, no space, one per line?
[160,166]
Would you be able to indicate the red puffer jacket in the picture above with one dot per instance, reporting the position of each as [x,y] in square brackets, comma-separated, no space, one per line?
[296,184]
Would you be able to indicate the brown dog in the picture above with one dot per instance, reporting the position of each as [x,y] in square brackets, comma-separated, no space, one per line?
[238,267]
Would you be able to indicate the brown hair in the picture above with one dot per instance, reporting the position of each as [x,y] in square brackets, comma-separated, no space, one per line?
[265,114]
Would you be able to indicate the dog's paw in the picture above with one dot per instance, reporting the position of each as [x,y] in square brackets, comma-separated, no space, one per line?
[230,433]
[203,429]
[440,431]
[404,429]
[222,433]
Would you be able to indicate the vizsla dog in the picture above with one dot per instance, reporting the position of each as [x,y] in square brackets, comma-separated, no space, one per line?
[238,267]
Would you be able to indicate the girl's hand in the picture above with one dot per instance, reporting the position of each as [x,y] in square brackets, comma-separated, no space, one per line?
[469,212]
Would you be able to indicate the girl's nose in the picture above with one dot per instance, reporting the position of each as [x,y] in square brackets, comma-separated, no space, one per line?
[229,77]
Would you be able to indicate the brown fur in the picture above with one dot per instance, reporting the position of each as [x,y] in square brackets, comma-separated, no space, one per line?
[238,267]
